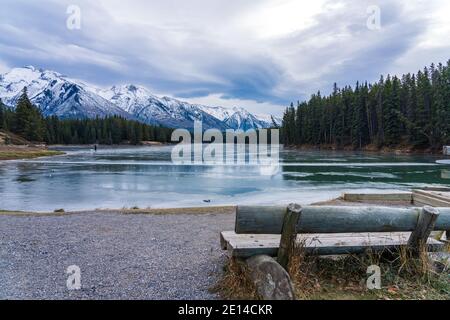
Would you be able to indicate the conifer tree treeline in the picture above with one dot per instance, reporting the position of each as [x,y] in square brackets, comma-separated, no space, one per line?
[27,121]
[413,111]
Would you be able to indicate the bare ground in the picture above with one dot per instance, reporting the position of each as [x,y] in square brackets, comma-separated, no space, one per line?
[121,256]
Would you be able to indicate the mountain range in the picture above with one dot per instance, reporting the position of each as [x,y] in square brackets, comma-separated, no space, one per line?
[58,95]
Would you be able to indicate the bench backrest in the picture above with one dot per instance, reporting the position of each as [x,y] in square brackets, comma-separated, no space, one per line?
[335,219]
[447,150]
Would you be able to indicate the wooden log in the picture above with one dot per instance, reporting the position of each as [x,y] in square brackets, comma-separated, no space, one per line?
[441,189]
[426,201]
[390,196]
[430,198]
[329,219]
[223,242]
[248,245]
[425,224]
[272,282]
[445,174]
[446,150]
[288,234]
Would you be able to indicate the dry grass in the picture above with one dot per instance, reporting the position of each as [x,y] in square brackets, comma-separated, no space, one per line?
[194,210]
[134,210]
[403,276]
[235,283]
[32,214]
[12,139]
[27,154]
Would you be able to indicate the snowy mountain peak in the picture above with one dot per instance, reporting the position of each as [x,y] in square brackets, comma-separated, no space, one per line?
[55,94]
[32,68]
[126,97]
[59,95]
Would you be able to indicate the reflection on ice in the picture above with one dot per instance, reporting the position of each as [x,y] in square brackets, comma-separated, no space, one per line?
[145,177]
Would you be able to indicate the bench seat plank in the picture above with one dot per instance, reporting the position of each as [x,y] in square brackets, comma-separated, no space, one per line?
[247,245]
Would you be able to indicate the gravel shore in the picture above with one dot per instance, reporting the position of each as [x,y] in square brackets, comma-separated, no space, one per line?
[121,256]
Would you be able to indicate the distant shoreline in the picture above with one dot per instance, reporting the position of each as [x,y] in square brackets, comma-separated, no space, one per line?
[402,150]
[120,145]
[30,151]
[14,152]
[23,152]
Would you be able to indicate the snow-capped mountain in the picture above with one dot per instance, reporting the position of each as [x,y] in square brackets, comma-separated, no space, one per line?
[239,118]
[59,95]
[165,111]
[55,94]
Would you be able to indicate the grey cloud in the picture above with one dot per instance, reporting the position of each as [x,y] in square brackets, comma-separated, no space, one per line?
[199,48]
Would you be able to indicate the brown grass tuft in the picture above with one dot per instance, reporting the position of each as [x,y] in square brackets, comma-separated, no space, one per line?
[403,277]
[235,283]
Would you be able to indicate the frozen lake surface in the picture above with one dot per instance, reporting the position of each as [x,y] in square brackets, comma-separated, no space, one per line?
[146,177]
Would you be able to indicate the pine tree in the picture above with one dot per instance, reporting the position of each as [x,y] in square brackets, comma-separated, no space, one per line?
[360,130]
[34,129]
[2,115]
[29,121]
[391,111]
[446,107]
[23,111]
[422,124]
[440,114]
[414,110]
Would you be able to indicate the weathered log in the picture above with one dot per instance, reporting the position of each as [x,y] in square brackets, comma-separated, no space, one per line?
[288,234]
[390,196]
[335,219]
[446,150]
[430,200]
[434,194]
[272,282]
[425,224]
[248,245]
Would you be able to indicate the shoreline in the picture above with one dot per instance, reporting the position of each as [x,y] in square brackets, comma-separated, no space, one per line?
[109,146]
[226,209]
[400,150]
[15,152]
[24,151]
[127,211]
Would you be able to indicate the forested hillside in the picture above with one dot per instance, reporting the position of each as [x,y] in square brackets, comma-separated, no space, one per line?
[27,121]
[413,111]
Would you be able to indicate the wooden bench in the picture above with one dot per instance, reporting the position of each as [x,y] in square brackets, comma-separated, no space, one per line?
[446,150]
[332,230]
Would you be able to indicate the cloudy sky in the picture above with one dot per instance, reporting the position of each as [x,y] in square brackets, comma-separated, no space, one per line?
[258,54]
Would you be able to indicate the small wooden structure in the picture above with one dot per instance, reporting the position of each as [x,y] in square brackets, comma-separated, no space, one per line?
[399,196]
[328,230]
[446,150]
[436,197]
[265,232]
[445,174]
